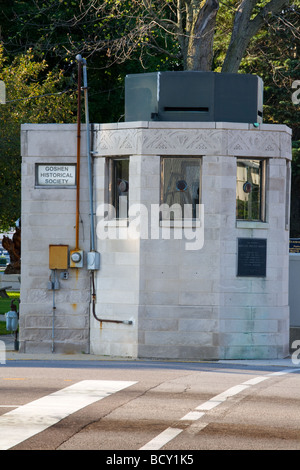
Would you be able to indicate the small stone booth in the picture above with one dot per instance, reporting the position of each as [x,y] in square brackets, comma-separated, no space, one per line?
[192,225]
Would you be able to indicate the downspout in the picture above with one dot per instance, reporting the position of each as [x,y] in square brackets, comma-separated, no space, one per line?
[79,59]
[90,174]
[88,149]
[53,278]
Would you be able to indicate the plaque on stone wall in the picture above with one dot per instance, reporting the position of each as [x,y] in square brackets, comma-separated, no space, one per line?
[252,257]
[294,245]
[58,175]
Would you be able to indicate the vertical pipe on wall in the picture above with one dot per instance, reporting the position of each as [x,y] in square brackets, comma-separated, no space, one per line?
[90,173]
[79,59]
[53,278]
[88,149]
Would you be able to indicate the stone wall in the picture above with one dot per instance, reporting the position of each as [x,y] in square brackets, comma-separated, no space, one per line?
[191,304]
[48,217]
[173,302]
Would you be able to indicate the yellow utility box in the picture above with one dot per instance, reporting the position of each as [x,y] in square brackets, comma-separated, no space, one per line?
[58,256]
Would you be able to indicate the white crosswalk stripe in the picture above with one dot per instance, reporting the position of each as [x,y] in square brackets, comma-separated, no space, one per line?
[24,422]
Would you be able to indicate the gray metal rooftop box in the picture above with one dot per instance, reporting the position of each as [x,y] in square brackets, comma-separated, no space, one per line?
[193,96]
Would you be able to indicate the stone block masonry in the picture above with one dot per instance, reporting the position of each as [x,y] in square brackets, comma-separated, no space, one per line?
[48,218]
[181,304]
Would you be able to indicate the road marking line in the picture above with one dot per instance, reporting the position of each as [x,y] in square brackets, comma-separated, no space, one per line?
[170,433]
[192,416]
[18,425]
[218,399]
[208,405]
[285,371]
[163,438]
[230,392]
[14,378]
[256,380]
[9,406]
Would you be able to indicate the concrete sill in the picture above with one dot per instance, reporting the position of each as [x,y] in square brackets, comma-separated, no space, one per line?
[249,224]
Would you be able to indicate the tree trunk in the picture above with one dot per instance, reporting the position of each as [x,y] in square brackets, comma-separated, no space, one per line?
[200,28]
[245,28]
[14,250]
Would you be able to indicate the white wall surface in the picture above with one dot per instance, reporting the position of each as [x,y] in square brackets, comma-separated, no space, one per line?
[186,304]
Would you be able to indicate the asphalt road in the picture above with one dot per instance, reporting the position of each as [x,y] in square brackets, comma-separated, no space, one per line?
[151,406]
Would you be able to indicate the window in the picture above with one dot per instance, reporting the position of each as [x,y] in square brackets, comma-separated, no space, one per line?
[118,176]
[250,189]
[180,187]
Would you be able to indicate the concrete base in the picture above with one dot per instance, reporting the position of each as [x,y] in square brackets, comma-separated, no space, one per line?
[45,347]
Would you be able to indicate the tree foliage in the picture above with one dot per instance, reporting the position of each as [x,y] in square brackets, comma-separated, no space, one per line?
[33,94]
[184,30]
[41,40]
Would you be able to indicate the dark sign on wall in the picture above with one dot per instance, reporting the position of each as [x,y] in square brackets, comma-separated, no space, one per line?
[294,245]
[252,257]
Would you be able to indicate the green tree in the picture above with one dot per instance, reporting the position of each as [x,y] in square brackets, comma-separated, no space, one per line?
[182,29]
[33,94]
[154,35]
[274,55]
[130,36]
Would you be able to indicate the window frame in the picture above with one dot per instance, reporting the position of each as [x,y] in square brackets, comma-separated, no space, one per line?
[162,189]
[113,213]
[262,189]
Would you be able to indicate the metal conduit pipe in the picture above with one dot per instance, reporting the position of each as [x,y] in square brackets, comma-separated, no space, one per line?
[53,278]
[104,320]
[79,59]
[90,175]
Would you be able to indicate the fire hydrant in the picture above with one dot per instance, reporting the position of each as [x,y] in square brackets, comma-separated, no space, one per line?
[12,321]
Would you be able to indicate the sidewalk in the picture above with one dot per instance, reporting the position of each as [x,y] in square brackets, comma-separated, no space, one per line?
[12,355]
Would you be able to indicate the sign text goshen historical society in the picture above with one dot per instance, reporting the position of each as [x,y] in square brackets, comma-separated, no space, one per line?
[56,175]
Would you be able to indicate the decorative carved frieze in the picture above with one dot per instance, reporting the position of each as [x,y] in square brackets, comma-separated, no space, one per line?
[253,143]
[193,141]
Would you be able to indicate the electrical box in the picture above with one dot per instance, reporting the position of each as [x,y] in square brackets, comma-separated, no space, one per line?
[58,256]
[76,259]
[93,260]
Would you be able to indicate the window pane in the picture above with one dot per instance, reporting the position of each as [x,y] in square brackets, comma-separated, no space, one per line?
[119,177]
[250,189]
[180,186]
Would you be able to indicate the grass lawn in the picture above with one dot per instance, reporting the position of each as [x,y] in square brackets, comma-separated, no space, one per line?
[5,307]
